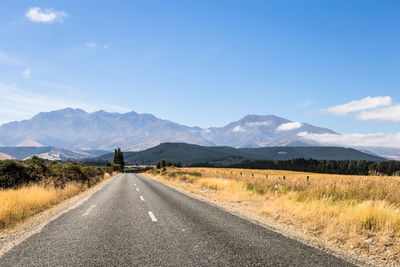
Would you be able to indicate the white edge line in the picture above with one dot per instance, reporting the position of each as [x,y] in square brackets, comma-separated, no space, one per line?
[153,218]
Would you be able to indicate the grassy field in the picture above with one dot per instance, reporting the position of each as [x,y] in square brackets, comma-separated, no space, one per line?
[357,213]
[21,203]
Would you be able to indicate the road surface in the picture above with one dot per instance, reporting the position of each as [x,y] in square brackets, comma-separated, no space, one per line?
[136,221]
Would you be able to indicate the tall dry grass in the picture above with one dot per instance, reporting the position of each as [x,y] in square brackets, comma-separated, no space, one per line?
[355,212]
[16,205]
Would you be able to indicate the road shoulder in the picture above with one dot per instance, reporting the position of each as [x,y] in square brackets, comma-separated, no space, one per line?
[12,237]
[286,230]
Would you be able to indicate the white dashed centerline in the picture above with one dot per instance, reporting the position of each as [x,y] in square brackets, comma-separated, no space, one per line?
[137,189]
[88,210]
[141,198]
[153,218]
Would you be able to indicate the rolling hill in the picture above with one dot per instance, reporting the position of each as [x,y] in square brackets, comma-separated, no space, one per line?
[188,154]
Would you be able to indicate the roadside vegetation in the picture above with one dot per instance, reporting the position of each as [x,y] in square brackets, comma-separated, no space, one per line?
[31,186]
[119,163]
[352,167]
[351,212]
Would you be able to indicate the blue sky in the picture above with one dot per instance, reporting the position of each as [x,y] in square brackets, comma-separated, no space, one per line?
[205,63]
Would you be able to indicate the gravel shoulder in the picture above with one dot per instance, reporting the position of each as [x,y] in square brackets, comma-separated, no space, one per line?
[12,237]
[289,231]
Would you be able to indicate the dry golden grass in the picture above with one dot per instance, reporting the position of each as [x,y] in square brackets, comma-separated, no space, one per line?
[16,205]
[361,213]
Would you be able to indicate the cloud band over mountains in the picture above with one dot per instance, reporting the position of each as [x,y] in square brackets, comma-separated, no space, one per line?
[380,108]
[355,139]
[359,105]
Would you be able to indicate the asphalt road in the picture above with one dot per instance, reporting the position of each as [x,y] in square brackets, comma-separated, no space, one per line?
[136,221]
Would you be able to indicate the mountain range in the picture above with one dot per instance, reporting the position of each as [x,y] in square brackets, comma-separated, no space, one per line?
[47,152]
[76,133]
[79,130]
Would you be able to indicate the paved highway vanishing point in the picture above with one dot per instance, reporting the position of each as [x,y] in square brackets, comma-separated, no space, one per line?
[136,221]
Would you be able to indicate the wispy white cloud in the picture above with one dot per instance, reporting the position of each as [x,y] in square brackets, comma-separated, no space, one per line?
[9,60]
[52,85]
[355,139]
[47,15]
[113,108]
[26,73]
[238,128]
[18,104]
[91,44]
[106,46]
[306,103]
[391,113]
[359,105]
[258,123]
[289,126]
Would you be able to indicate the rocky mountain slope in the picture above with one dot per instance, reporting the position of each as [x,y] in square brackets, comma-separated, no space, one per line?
[48,152]
[76,129]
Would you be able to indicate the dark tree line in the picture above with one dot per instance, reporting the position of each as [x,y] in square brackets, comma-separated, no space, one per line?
[361,167]
[162,164]
[119,162]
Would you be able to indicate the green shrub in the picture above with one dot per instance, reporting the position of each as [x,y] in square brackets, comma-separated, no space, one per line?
[14,173]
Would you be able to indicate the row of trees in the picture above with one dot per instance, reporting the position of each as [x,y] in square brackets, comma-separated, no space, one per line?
[163,164]
[119,163]
[353,167]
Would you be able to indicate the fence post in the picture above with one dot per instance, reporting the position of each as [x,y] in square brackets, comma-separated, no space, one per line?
[308,179]
[266,176]
[284,177]
[276,190]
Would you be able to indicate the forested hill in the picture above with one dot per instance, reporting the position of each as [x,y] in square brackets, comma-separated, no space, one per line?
[188,154]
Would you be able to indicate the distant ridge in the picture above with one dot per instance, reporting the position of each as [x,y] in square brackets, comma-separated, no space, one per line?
[188,154]
[298,143]
[48,152]
[75,129]
[78,131]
